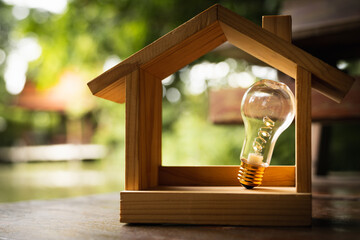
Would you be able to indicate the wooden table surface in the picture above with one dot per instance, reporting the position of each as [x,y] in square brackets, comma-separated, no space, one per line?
[336,215]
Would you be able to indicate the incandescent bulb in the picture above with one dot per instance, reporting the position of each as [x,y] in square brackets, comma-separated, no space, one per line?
[267,109]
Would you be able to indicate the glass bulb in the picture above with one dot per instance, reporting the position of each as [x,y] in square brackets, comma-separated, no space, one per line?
[267,109]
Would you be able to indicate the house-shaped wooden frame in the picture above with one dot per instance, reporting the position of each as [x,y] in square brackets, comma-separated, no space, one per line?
[211,194]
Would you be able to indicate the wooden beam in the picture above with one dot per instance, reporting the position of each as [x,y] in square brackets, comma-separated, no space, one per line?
[282,55]
[303,130]
[222,176]
[217,205]
[143,130]
[132,163]
[186,52]
[111,84]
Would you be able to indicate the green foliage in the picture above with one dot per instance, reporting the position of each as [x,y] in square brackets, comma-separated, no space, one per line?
[193,140]
[284,150]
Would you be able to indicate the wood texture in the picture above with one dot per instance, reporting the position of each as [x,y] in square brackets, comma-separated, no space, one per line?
[242,33]
[186,52]
[222,176]
[225,206]
[112,86]
[278,25]
[132,164]
[282,55]
[303,130]
[143,130]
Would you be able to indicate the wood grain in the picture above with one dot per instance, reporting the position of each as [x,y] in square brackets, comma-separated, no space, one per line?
[110,85]
[150,128]
[132,164]
[303,130]
[225,206]
[222,176]
[280,25]
[143,130]
[186,52]
[282,55]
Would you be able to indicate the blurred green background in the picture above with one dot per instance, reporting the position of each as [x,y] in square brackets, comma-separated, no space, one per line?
[52,50]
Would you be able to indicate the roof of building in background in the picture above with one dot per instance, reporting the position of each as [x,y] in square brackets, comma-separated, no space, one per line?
[69,90]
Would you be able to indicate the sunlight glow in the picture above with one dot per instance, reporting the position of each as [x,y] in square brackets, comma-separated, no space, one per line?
[221,70]
[203,74]
[243,80]
[168,81]
[173,95]
[20,13]
[53,6]
[228,73]
[25,51]
[110,62]
[69,178]
[59,152]
[264,72]
[342,64]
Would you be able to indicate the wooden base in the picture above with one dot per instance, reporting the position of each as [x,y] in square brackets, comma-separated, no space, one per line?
[262,206]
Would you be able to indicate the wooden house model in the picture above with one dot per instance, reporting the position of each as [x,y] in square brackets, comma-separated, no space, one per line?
[211,194]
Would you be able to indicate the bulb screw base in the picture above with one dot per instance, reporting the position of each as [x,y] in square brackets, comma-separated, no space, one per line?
[250,176]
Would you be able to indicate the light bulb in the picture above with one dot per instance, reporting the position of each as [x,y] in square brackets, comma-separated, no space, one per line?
[267,109]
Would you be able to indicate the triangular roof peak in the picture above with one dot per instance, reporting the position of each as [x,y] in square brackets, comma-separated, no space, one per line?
[207,31]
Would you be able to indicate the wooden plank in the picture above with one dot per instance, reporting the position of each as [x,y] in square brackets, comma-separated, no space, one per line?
[222,176]
[282,55]
[303,130]
[186,52]
[114,92]
[280,25]
[230,190]
[132,164]
[225,206]
[148,53]
[143,130]
[150,128]
[112,83]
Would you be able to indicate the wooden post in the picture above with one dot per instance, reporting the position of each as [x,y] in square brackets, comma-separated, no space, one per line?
[132,171]
[303,130]
[279,25]
[143,130]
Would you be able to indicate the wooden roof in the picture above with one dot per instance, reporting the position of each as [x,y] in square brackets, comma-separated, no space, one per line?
[207,31]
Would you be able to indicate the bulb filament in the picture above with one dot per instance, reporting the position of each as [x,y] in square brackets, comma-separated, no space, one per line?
[264,134]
